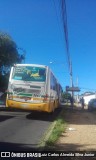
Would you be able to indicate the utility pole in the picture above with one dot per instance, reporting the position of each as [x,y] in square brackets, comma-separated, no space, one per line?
[71,77]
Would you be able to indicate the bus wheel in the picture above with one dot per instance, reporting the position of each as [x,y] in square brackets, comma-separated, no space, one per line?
[53,107]
[51,110]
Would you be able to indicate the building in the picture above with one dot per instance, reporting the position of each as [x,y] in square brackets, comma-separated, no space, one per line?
[88,96]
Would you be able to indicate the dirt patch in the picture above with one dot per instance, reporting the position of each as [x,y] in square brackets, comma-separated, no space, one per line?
[80,134]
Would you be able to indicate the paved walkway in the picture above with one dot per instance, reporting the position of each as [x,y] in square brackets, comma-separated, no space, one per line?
[80,134]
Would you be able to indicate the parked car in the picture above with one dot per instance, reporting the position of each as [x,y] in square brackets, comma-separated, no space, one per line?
[92,104]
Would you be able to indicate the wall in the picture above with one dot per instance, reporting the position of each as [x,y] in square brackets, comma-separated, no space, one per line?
[87,98]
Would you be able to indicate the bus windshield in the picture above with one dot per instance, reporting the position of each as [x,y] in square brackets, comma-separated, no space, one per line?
[29,73]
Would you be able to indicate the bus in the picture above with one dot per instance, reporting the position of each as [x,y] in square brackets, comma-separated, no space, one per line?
[33,87]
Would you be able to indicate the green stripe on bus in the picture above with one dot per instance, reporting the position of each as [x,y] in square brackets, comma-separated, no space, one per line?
[22,94]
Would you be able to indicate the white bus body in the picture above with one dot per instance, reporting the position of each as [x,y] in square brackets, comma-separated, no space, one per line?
[33,87]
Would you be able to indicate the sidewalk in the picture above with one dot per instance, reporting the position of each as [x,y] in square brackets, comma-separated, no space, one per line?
[80,134]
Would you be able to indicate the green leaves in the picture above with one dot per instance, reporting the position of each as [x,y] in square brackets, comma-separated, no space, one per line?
[66,95]
[8,54]
[8,51]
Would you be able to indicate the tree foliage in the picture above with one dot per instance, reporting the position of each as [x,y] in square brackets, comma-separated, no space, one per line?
[66,96]
[8,56]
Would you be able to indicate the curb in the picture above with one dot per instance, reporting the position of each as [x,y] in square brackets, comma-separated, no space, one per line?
[46,136]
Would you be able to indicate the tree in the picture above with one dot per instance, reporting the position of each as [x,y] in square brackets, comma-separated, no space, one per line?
[66,96]
[8,56]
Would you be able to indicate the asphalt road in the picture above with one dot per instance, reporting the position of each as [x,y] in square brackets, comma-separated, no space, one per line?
[22,130]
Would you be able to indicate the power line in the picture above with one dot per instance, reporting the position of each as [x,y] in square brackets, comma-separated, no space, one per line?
[56,5]
[65,29]
[58,21]
[63,13]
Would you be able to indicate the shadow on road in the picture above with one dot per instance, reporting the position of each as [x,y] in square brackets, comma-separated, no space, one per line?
[43,116]
[32,115]
[4,117]
[6,146]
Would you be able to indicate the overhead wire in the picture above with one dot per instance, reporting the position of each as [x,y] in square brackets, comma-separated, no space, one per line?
[63,15]
[58,21]
[65,29]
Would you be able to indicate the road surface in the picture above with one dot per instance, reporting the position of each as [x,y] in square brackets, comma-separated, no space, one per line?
[22,130]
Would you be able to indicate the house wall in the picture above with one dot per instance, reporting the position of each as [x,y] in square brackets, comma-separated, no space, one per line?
[87,98]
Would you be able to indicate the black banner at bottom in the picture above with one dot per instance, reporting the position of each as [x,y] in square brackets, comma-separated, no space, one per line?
[37,154]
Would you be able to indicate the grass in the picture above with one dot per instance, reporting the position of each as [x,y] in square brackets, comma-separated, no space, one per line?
[59,127]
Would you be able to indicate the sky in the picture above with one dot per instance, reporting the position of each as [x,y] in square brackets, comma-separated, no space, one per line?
[36,26]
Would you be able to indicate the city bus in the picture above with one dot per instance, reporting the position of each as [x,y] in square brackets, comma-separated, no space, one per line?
[33,87]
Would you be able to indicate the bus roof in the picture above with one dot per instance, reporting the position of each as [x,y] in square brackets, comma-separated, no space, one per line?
[36,65]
